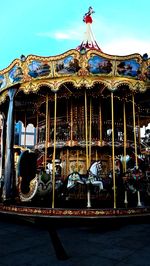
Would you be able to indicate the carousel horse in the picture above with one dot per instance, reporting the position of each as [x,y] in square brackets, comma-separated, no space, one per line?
[118,175]
[73,179]
[133,179]
[94,179]
[132,183]
[103,184]
[94,175]
[33,185]
[26,175]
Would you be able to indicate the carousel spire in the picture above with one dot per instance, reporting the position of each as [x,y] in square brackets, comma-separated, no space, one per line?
[89,40]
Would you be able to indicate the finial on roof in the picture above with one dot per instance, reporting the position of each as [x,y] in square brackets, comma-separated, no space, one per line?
[89,40]
[87,17]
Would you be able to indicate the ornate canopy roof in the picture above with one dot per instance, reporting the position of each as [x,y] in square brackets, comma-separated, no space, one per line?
[86,67]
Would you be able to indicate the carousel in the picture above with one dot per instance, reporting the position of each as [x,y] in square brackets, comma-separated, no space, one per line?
[87,108]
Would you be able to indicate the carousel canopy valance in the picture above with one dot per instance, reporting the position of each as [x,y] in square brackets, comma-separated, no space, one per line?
[76,66]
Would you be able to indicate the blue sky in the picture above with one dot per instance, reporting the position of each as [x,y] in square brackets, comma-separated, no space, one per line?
[48,28]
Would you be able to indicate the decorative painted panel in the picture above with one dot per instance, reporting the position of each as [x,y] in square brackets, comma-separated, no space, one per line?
[2,81]
[38,69]
[15,74]
[68,65]
[99,65]
[129,68]
[148,73]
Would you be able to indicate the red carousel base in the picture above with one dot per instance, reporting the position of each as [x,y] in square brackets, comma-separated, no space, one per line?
[41,212]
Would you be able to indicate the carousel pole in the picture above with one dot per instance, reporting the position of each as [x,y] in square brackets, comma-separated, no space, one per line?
[139,204]
[54,152]
[100,123]
[46,133]
[86,132]
[134,128]
[96,157]
[67,162]
[87,157]
[67,112]
[125,137]
[67,152]
[77,160]
[71,122]
[125,146]
[9,175]
[48,125]
[90,132]
[113,147]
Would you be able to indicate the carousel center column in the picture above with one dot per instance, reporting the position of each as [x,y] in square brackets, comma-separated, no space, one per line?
[9,175]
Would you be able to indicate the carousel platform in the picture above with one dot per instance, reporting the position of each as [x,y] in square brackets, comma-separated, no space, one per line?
[68,213]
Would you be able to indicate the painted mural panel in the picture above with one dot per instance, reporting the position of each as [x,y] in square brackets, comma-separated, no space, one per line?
[2,81]
[129,68]
[15,74]
[38,69]
[68,65]
[99,65]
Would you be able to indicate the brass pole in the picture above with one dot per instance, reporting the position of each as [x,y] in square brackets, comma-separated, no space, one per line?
[77,160]
[96,156]
[71,121]
[134,128]
[125,137]
[86,132]
[46,131]
[90,132]
[67,162]
[67,120]
[67,111]
[100,123]
[54,153]
[113,147]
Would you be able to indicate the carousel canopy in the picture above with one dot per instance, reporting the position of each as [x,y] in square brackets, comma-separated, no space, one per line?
[84,67]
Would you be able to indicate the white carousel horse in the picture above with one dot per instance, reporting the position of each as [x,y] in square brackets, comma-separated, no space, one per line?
[94,175]
[94,179]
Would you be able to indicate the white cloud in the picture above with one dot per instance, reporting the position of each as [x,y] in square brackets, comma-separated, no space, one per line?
[126,46]
[64,34]
[61,36]
[68,34]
